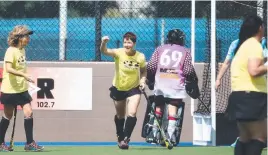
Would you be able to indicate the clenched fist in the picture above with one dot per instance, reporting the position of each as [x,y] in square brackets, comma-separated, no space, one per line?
[105,39]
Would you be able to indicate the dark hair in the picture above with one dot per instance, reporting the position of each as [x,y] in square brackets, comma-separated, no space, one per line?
[175,36]
[249,28]
[131,36]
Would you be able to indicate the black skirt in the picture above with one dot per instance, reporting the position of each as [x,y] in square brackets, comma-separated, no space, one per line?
[118,95]
[247,106]
[16,98]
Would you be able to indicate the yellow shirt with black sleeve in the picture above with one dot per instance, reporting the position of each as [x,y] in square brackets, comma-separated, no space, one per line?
[240,77]
[127,69]
[11,83]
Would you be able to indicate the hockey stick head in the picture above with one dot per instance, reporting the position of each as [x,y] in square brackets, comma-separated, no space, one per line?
[168,144]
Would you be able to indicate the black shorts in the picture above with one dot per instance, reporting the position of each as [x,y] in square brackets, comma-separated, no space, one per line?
[247,106]
[118,95]
[16,98]
[161,100]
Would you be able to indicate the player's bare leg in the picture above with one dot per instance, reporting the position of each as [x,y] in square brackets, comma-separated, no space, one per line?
[30,145]
[251,137]
[258,136]
[244,137]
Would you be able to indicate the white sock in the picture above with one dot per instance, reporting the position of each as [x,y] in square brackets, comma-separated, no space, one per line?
[171,127]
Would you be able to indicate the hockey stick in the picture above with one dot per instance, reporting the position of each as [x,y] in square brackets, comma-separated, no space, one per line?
[166,140]
[13,130]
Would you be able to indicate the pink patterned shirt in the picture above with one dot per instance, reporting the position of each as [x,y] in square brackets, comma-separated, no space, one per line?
[168,68]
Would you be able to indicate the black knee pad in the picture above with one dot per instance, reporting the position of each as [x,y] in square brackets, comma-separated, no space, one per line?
[159,100]
[148,117]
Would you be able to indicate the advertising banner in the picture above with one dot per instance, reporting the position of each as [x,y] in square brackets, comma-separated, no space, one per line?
[60,88]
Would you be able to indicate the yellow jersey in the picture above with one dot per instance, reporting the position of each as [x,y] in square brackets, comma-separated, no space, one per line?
[10,82]
[127,69]
[241,80]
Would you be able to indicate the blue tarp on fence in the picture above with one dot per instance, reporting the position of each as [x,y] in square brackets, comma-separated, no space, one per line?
[80,45]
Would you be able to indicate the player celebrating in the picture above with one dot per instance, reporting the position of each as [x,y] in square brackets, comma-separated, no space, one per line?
[14,88]
[130,76]
[168,69]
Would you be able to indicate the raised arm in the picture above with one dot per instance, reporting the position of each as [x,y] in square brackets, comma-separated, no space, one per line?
[104,49]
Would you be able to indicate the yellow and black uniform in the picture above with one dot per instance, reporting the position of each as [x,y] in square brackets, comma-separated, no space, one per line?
[14,89]
[127,74]
[248,99]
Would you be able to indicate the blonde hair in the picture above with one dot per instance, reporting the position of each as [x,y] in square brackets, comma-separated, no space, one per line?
[17,32]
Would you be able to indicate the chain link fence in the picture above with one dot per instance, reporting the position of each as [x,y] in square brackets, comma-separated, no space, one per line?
[228,30]
[72,31]
[229,17]
[44,44]
[204,55]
